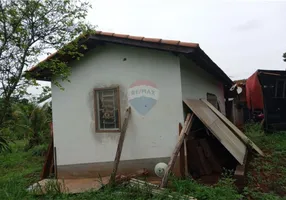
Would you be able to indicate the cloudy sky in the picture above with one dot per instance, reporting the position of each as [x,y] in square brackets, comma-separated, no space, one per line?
[240,36]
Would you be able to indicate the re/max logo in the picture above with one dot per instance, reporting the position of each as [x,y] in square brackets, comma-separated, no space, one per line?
[142,92]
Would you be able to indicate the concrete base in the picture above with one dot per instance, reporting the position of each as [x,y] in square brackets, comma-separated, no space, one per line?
[94,170]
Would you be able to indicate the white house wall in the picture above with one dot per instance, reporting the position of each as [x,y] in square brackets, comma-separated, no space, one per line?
[196,83]
[152,136]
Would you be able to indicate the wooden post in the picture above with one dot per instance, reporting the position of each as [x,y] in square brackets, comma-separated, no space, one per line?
[49,158]
[55,161]
[185,130]
[120,145]
[182,155]
[240,173]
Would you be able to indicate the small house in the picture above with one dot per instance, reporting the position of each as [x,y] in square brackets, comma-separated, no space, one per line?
[160,79]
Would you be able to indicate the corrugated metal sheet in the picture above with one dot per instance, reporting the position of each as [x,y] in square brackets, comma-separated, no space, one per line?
[227,138]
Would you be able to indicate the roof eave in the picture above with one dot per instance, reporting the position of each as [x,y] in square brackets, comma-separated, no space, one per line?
[208,65]
[188,49]
[146,44]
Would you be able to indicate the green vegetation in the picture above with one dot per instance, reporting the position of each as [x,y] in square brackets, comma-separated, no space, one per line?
[21,167]
[267,175]
[18,170]
[27,121]
[28,30]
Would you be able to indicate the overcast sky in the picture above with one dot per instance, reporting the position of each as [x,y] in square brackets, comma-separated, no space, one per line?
[239,36]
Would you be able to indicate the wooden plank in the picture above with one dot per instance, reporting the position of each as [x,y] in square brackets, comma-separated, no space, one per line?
[238,132]
[195,167]
[55,162]
[48,161]
[185,131]
[210,156]
[206,167]
[122,178]
[240,175]
[120,145]
[182,156]
[219,129]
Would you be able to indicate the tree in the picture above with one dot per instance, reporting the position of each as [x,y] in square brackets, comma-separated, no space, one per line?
[29,29]
[33,122]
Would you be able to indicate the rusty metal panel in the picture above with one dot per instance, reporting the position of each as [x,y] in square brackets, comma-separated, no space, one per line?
[227,138]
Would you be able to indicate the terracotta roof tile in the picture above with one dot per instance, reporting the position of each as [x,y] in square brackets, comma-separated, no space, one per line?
[106,33]
[156,40]
[131,37]
[188,44]
[120,35]
[147,42]
[153,40]
[139,38]
[170,42]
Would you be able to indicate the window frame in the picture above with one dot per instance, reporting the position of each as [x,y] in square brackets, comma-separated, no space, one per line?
[284,89]
[95,96]
[217,102]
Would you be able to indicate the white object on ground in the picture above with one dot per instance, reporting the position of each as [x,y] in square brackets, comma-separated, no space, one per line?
[160,169]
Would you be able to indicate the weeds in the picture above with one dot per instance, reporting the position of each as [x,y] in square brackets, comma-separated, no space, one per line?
[39,150]
[266,177]
[20,169]
[223,190]
[254,130]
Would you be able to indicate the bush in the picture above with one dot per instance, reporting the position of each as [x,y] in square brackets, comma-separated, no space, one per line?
[4,146]
[223,190]
[257,195]
[39,150]
[254,130]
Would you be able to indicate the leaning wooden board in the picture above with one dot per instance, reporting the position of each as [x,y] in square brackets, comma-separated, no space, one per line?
[184,132]
[120,145]
[240,134]
[226,137]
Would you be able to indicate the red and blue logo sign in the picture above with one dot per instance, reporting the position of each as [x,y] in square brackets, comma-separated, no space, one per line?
[142,96]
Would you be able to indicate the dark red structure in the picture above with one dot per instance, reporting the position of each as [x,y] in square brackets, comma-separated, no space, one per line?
[266,98]
[254,95]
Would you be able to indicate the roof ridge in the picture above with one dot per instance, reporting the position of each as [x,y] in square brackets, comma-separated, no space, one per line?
[149,39]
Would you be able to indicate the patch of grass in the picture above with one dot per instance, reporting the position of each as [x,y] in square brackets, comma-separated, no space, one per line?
[18,170]
[223,190]
[254,130]
[39,150]
[267,175]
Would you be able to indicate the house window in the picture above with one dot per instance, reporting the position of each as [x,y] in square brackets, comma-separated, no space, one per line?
[280,89]
[107,109]
[212,98]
